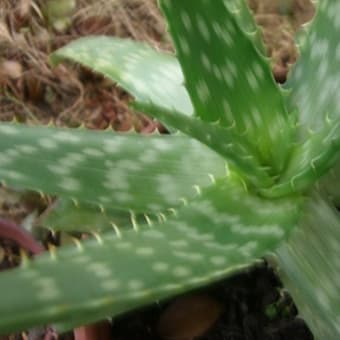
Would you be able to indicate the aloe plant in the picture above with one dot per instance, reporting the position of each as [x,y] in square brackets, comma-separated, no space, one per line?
[250,169]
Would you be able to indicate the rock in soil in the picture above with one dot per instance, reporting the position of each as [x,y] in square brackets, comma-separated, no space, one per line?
[189,317]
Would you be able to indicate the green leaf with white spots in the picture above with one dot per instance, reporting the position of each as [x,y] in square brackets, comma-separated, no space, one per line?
[314,84]
[309,267]
[219,232]
[309,161]
[121,171]
[315,79]
[149,75]
[227,142]
[228,80]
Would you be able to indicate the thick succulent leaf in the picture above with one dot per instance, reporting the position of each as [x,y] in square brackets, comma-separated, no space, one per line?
[309,265]
[123,171]
[220,231]
[227,142]
[315,79]
[73,216]
[309,161]
[226,77]
[149,75]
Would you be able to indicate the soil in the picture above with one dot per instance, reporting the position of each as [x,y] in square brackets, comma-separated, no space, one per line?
[251,305]
[254,306]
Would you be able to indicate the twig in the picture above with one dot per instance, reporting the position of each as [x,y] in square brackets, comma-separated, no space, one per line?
[10,230]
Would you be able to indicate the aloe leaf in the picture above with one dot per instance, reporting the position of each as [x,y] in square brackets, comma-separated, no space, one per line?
[309,161]
[219,232]
[309,266]
[314,80]
[226,77]
[121,171]
[313,92]
[73,216]
[149,75]
[227,142]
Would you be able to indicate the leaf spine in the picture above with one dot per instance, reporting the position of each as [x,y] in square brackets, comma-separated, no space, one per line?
[184,201]
[52,251]
[116,230]
[98,238]
[133,221]
[173,211]
[77,244]
[161,217]
[75,202]
[212,178]
[148,220]
[101,208]
[25,262]
[197,189]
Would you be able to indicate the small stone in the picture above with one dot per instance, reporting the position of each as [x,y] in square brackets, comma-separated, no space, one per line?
[100,330]
[11,69]
[188,317]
